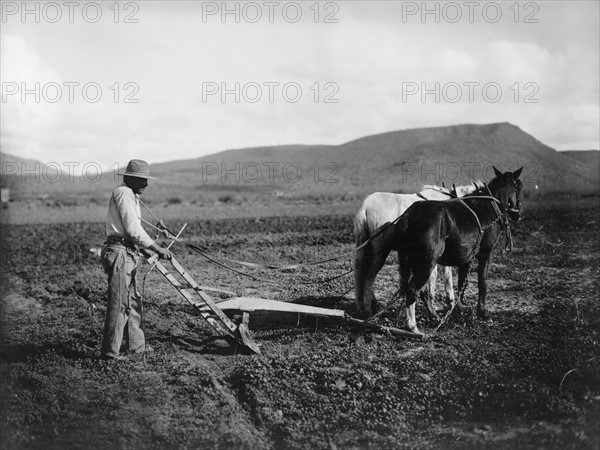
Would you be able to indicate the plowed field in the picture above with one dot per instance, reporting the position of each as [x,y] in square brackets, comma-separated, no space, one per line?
[529,379]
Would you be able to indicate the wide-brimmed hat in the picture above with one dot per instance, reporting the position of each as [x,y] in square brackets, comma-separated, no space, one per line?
[137,168]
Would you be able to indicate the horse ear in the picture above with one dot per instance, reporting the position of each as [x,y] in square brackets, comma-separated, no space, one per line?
[497,172]
[517,173]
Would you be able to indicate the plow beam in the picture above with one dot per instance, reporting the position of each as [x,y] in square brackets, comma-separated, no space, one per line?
[251,304]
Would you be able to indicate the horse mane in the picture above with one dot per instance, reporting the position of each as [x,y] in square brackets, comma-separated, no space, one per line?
[469,188]
[484,189]
[460,190]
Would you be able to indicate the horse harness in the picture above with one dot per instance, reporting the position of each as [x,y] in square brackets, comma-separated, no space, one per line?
[508,245]
[500,217]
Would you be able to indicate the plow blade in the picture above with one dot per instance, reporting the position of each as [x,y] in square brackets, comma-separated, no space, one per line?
[207,307]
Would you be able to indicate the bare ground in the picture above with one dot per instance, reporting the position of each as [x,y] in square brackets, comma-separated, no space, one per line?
[530,379]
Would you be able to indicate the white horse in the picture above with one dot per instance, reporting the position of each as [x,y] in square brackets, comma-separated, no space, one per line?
[372,222]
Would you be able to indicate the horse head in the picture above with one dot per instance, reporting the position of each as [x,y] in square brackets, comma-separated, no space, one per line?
[507,188]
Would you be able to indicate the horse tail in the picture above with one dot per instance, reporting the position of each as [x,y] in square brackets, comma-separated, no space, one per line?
[361,256]
[404,273]
[404,268]
[361,228]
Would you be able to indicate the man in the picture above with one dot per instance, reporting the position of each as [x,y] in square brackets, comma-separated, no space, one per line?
[125,236]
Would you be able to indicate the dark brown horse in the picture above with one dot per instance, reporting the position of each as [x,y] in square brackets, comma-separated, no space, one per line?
[453,233]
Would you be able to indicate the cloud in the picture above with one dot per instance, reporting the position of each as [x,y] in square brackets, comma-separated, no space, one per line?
[511,61]
[24,113]
[367,57]
[456,64]
[20,62]
[62,130]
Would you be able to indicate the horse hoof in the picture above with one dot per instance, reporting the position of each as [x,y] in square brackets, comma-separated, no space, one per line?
[483,315]
[413,329]
[362,314]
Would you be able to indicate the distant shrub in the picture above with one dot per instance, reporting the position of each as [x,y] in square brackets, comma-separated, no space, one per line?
[98,200]
[66,201]
[231,198]
[225,198]
[174,200]
[200,200]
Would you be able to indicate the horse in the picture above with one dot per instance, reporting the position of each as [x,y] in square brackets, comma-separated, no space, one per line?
[453,233]
[377,212]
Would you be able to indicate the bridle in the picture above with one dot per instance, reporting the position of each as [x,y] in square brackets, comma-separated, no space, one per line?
[500,216]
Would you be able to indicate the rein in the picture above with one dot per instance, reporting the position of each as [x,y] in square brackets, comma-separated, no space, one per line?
[214,260]
[176,238]
[264,266]
[472,212]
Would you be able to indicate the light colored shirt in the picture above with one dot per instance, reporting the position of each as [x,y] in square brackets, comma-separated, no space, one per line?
[124,217]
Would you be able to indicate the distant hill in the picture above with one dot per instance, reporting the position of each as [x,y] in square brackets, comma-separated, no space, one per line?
[13,165]
[590,158]
[398,161]
[31,178]
[8,163]
[586,160]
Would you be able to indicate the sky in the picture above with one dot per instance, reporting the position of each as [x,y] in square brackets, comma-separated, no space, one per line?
[105,82]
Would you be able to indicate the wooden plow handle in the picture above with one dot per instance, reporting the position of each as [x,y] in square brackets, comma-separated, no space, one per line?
[207,307]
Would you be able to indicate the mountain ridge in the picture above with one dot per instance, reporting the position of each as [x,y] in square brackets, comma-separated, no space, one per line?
[395,161]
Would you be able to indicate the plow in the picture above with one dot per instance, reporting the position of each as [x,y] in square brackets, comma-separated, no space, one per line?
[214,314]
[213,311]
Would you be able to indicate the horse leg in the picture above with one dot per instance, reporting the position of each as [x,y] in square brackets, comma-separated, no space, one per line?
[361,268]
[448,286]
[428,294]
[404,270]
[482,272]
[378,257]
[463,272]
[419,278]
